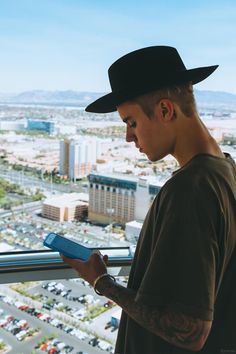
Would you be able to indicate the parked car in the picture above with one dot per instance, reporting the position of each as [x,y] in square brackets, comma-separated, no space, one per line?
[68,348]
[21,335]
[94,341]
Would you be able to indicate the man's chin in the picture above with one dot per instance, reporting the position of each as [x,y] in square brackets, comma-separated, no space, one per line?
[152,158]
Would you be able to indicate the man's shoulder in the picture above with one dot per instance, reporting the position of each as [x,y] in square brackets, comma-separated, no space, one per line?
[186,175]
[201,167]
[194,177]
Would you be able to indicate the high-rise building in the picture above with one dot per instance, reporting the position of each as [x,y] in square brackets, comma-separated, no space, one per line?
[82,158]
[64,157]
[120,198]
[78,157]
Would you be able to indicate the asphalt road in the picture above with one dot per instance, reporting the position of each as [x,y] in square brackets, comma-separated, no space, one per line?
[34,182]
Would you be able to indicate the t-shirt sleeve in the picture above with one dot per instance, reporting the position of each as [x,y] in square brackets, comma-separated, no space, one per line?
[182,269]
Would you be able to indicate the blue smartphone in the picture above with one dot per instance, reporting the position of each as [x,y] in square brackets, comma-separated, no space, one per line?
[67,247]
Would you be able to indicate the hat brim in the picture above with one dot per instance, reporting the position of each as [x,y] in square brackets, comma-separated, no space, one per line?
[109,102]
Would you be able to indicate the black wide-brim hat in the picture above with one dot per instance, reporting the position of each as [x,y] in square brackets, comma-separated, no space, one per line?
[143,71]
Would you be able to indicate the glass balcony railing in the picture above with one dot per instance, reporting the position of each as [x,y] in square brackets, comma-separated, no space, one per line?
[46,307]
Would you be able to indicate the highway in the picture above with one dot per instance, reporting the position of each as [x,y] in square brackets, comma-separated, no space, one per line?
[24,180]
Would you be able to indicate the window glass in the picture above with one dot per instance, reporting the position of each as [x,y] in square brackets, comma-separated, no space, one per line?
[59,163]
[61,168]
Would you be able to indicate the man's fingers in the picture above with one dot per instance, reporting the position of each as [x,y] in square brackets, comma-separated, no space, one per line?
[97,252]
[90,269]
[99,257]
[105,258]
[72,262]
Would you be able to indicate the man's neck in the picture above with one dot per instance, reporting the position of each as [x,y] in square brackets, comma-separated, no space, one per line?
[194,139]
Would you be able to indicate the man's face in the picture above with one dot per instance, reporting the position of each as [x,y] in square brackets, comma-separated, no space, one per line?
[150,135]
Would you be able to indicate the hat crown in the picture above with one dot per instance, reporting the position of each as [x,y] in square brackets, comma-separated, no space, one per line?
[143,71]
[144,65]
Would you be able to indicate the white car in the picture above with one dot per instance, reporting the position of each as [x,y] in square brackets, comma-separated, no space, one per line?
[79,314]
[20,335]
[104,345]
[54,322]
[8,300]
[61,345]
[79,334]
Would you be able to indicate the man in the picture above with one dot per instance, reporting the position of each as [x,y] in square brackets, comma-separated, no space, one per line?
[181,294]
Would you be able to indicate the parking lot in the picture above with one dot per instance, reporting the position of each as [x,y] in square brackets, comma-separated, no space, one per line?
[26,231]
[54,317]
[47,330]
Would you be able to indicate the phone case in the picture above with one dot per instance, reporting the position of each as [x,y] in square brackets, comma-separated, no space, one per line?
[67,247]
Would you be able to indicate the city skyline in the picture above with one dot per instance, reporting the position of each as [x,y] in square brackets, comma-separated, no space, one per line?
[69,45]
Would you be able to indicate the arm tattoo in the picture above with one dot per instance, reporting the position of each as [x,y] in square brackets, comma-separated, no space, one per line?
[174,327]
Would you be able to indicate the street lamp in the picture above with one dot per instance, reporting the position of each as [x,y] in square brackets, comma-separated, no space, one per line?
[110,212]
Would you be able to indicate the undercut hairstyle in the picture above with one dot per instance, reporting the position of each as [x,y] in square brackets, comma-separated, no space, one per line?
[182,95]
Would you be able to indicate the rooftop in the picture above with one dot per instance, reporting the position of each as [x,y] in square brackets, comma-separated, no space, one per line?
[68,198]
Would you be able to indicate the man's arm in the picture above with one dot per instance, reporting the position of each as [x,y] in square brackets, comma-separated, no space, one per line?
[174,327]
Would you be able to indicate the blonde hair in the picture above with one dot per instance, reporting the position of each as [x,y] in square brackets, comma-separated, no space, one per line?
[181,94]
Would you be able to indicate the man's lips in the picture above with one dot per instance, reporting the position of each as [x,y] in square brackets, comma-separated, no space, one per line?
[138,147]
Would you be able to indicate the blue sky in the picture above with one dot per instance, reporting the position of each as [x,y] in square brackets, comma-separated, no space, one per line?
[69,44]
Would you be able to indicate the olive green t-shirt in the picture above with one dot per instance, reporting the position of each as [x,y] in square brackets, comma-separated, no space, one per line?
[186,256]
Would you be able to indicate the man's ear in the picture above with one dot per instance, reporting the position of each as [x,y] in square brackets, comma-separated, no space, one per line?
[166,110]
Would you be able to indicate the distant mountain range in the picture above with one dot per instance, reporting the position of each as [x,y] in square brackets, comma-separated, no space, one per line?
[205,99]
[50,97]
[215,99]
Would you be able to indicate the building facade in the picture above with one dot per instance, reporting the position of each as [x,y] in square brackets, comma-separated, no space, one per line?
[13,125]
[67,207]
[64,157]
[41,125]
[119,199]
[132,230]
[77,158]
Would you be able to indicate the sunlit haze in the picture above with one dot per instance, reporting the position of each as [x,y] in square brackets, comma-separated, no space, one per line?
[69,44]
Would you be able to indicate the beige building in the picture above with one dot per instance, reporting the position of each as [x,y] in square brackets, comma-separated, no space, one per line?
[119,198]
[111,199]
[66,207]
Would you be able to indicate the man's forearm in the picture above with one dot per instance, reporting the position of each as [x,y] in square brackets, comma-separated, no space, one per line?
[177,329]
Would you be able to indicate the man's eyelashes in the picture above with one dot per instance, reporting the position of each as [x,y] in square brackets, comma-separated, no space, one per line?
[132,124]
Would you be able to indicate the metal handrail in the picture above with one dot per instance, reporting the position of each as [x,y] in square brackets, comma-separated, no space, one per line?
[40,265]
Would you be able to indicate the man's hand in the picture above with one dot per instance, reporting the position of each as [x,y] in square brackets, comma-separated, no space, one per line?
[91,269]
[174,327]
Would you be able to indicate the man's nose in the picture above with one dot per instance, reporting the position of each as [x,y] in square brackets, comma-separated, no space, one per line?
[129,135]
